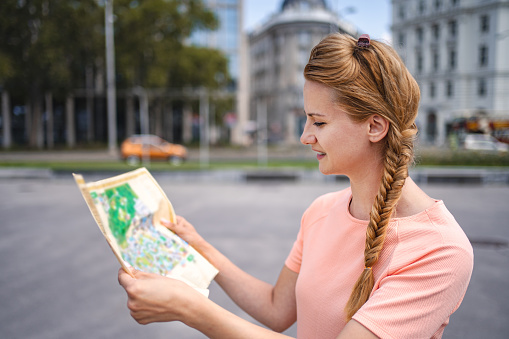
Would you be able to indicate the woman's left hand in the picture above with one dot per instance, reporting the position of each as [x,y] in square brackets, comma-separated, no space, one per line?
[154,298]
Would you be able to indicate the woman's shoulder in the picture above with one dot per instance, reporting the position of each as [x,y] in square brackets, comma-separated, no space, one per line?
[322,206]
[327,200]
[433,228]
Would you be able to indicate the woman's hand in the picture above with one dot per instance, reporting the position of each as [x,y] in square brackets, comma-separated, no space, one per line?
[184,230]
[154,298]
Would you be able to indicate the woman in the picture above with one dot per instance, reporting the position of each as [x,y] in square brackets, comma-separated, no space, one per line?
[379,259]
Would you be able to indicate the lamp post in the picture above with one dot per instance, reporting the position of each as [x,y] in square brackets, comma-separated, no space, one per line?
[261,132]
[204,129]
[110,77]
[144,124]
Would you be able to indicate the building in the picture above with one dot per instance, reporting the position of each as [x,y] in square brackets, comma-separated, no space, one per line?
[278,51]
[229,38]
[457,51]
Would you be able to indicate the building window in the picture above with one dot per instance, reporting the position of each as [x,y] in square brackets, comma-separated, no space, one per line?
[455,3]
[435,31]
[481,87]
[483,56]
[485,24]
[401,38]
[438,4]
[419,34]
[436,61]
[422,6]
[419,61]
[452,59]
[449,89]
[401,12]
[453,28]
[304,39]
[431,89]
[303,58]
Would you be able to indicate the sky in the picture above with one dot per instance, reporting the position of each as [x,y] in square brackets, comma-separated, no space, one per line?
[370,16]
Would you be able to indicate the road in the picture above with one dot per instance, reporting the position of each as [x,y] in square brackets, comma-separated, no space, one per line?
[59,278]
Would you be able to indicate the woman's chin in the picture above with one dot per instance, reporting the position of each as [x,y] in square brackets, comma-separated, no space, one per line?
[324,170]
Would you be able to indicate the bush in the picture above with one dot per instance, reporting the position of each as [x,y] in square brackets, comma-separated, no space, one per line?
[445,157]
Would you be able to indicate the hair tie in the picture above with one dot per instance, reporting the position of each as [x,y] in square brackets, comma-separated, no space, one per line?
[368,268]
[363,41]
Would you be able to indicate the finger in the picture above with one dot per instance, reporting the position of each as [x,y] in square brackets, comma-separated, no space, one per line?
[127,274]
[179,223]
[124,278]
[181,220]
[168,224]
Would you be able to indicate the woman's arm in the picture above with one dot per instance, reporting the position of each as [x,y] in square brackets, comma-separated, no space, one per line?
[154,298]
[355,330]
[273,306]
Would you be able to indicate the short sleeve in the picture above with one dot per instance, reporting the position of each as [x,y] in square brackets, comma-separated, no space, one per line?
[294,259]
[416,300]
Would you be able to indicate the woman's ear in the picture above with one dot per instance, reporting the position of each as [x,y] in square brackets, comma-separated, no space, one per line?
[378,127]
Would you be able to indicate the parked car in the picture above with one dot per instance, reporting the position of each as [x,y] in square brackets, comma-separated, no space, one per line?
[502,135]
[484,143]
[136,147]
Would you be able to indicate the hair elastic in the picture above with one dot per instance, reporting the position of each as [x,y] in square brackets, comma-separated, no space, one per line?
[368,268]
[363,41]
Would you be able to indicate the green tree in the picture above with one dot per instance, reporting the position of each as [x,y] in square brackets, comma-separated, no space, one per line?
[48,46]
[151,49]
[45,46]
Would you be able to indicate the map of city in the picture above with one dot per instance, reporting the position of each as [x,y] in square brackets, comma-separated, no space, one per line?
[128,209]
[141,244]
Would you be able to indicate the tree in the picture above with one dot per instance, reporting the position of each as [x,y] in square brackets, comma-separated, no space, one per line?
[44,47]
[52,47]
[150,39]
[152,52]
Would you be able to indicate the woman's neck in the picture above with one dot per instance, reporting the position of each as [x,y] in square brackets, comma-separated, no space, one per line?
[412,201]
[365,187]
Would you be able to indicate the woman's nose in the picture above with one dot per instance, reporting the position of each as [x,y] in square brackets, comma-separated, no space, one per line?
[307,138]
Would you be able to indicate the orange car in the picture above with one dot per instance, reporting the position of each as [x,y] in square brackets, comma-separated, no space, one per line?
[134,148]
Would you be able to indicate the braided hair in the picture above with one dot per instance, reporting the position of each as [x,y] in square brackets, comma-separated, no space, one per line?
[372,80]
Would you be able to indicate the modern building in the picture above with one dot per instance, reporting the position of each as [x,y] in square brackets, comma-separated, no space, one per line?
[278,51]
[229,38]
[458,52]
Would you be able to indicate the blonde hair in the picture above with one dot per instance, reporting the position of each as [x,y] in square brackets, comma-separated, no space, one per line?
[372,80]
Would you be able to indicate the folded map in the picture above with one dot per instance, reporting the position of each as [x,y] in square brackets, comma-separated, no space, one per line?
[128,209]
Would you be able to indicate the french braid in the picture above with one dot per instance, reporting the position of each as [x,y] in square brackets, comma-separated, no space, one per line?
[371,81]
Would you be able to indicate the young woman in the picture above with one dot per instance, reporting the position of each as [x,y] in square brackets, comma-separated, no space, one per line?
[379,259]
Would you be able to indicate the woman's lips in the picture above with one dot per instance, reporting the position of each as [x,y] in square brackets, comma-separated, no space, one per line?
[320,155]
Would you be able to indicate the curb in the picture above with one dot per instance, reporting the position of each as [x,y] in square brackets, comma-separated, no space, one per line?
[432,175]
[25,173]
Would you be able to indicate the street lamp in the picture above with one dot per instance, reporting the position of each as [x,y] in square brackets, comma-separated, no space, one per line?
[110,77]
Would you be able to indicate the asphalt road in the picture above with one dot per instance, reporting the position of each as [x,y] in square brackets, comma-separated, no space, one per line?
[59,279]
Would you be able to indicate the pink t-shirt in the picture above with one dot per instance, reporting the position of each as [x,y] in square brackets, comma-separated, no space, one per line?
[420,278]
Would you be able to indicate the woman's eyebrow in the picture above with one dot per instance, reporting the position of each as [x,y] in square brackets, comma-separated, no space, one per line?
[311,114]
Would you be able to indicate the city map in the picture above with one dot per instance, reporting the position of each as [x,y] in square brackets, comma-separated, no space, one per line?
[127,209]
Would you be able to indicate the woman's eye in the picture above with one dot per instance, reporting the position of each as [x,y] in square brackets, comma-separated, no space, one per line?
[318,124]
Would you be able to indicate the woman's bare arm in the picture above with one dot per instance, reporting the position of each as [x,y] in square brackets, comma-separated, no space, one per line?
[273,306]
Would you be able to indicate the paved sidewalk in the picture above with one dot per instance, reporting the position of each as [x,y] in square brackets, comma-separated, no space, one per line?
[59,278]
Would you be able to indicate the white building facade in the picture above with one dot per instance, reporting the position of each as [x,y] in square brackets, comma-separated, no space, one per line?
[458,51]
[278,53]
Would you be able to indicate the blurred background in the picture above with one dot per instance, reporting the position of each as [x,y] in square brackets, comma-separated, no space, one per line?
[91,73]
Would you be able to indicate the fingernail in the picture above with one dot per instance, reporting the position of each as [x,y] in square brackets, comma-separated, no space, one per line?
[166,221]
